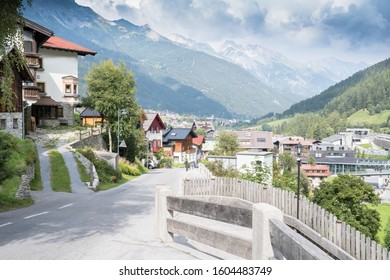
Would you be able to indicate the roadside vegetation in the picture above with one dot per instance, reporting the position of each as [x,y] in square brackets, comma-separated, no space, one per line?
[384,211]
[59,176]
[15,156]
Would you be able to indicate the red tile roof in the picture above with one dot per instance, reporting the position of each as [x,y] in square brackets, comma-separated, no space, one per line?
[58,43]
[47,101]
[198,140]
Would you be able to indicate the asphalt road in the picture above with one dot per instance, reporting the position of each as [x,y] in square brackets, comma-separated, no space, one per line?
[112,225]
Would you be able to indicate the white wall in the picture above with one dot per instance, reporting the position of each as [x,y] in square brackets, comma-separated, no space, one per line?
[57,64]
[246,159]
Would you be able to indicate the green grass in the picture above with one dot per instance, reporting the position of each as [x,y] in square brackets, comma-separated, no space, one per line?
[59,176]
[8,203]
[362,117]
[84,176]
[9,186]
[107,186]
[36,183]
[366,146]
[384,211]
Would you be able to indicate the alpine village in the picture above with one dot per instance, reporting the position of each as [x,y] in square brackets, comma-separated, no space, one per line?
[81,125]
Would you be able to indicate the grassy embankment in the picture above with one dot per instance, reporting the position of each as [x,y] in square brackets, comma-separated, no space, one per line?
[15,156]
[384,211]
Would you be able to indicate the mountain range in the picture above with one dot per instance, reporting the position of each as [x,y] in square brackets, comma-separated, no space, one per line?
[183,76]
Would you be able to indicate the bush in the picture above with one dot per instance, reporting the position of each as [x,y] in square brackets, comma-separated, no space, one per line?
[165,162]
[128,168]
[142,169]
[105,171]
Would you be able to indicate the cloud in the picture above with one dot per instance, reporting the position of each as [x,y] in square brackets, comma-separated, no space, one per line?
[343,24]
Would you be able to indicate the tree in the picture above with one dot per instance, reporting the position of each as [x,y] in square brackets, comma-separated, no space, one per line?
[387,234]
[258,173]
[311,160]
[345,197]
[10,39]
[111,90]
[200,131]
[287,161]
[227,143]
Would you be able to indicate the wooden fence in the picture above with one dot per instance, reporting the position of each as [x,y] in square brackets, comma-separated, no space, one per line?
[324,223]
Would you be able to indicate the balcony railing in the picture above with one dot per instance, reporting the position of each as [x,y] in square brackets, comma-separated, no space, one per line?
[31,93]
[33,61]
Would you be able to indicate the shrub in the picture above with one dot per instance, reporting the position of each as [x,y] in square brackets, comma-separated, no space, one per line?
[165,162]
[128,168]
[141,168]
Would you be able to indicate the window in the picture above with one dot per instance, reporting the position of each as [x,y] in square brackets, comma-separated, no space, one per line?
[28,46]
[40,62]
[3,123]
[74,89]
[60,112]
[15,124]
[41,87]
[67,88]
[260,140]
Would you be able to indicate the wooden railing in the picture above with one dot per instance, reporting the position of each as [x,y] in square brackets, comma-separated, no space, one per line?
[324,223]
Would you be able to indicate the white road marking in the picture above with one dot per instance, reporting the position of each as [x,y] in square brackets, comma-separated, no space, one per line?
[7,224]
[39,214]
[67,205]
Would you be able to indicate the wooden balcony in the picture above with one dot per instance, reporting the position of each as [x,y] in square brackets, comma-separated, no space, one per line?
[31,93]
[33,60]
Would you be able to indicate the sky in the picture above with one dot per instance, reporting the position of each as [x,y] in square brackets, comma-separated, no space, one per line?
[302,30]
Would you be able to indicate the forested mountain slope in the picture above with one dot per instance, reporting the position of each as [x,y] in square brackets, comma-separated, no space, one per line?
[367,89]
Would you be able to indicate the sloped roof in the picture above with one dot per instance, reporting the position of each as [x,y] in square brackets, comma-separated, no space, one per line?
[177,134]
[88,112]
[198,140]
[150,118]
[254,139]
[58,43]
[47,101]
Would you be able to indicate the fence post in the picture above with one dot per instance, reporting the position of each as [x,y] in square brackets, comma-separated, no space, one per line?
[261,239]
[162,213]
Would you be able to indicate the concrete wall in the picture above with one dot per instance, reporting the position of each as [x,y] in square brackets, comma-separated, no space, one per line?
[227,162]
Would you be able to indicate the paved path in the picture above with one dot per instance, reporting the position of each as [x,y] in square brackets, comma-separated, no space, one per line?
[77,186]
[43,154]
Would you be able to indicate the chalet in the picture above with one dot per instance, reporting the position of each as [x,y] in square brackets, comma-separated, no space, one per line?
[197,143]
[153,127]
[57,80]
[177,144]
[316,173]
[25,87]
[255,141]
[208,127]
[91,117]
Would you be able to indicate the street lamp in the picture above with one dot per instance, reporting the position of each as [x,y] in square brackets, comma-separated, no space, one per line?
[299,151]
[120,113]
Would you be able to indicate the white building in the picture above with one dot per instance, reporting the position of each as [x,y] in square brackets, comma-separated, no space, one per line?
[57,81]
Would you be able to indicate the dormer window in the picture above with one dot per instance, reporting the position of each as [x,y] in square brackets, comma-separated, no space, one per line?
[67,88]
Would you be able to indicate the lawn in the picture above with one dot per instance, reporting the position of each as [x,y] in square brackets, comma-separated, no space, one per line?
[59,176]
[384,211]
[362,117]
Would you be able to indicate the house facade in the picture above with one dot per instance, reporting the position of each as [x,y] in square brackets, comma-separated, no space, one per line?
[24,86]
[57,80]
[178,145]
[153,127]
[316,173]
[255,141]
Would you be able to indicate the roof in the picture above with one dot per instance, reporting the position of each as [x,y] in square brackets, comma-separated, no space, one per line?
[42,34]
[198,140]
[254,139]
[177,134]
[150,118]
[88,112]
[47,101]
[58,43]
[316,170]
[314,167]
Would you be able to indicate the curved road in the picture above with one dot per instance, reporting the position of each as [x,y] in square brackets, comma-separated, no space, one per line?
[114,224]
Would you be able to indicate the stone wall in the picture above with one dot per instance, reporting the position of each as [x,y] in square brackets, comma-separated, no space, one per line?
[9,127]
[24,190]
[94,177]
[94,141]
[68,113]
